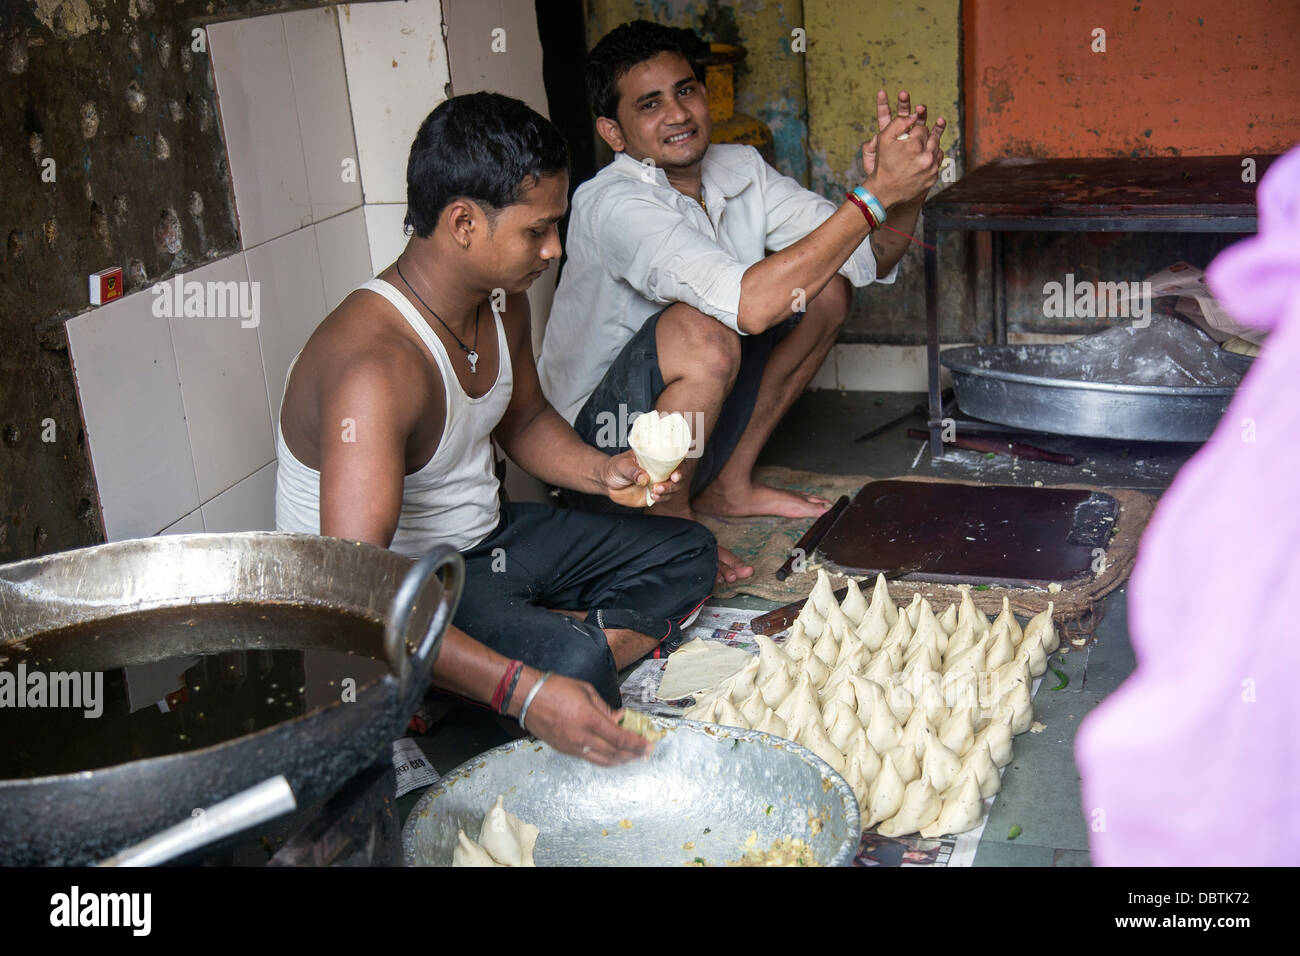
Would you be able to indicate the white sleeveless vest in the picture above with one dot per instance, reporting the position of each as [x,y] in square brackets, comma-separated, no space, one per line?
[453,499]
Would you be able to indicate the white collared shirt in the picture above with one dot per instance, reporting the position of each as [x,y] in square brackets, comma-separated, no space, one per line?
[636,244]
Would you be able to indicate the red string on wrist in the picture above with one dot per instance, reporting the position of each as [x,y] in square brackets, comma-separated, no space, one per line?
[499,694]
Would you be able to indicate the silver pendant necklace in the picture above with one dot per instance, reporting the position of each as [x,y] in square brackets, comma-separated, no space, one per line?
[471,353]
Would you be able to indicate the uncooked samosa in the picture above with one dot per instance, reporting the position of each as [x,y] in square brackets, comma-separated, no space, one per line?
[772,724]
[812,736]
[980,760]
[752,708]
[883,731]
[822,595]
[961,812]
[921,806]
[728,716]
[860,750]
[1010,620]
[798,645]
[873,628]
[916,731]
[939,763]
[958,731]
[885,794]
[813,623]
[880,594]
[842,725]
[997,737]
[816,670]
[506,838]
[800,705]
[854,604]
[777,687]
[771,657]
[827,647]
[469,853]
[1002,649]
[948,619]
[969,612]
[962,639]
[1041,629]
[905,761]
[913,610]
[853,653]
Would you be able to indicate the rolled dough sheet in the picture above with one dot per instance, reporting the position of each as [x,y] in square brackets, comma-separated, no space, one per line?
[698,666]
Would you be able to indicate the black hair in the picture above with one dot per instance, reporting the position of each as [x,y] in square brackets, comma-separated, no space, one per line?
[480,146]
[624,47]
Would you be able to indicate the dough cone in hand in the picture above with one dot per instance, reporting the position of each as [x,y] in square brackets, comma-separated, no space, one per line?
[660,443]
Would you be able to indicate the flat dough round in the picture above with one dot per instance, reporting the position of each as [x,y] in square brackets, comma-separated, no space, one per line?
[698,666]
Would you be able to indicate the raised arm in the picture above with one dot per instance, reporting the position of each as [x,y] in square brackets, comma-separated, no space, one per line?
[899,173]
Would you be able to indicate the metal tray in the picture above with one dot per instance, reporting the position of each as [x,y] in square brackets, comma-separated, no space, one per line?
[707,786]
[1090,409]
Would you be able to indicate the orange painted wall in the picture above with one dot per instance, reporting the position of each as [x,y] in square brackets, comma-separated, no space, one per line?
[1197,78]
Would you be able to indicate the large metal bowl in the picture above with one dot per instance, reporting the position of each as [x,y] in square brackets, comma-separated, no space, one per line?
[1185,413]
[702,794]
[80,817]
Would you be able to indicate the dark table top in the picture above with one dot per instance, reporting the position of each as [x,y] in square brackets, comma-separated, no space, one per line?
[1157,193]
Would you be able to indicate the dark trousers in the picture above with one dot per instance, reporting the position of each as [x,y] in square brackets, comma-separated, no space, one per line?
[541,557]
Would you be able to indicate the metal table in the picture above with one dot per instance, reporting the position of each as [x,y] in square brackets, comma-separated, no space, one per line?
[1153,194]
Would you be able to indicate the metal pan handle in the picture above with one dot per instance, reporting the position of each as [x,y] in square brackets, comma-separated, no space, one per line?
[442,558]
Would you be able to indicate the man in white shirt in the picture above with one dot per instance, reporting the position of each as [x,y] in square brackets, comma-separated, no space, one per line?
[669,299]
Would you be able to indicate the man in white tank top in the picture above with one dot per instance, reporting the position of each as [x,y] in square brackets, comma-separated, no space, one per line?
[385,428]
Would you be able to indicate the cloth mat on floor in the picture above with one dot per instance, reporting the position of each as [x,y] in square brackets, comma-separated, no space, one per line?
[766,542]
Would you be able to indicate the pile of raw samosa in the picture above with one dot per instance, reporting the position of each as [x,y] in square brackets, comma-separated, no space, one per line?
[916,710]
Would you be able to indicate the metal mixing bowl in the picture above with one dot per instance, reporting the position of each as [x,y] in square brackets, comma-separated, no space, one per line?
[701,794]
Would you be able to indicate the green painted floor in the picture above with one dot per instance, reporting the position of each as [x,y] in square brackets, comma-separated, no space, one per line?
[1040,788]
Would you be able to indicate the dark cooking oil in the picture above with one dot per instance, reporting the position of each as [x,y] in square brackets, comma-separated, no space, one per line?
[180,679]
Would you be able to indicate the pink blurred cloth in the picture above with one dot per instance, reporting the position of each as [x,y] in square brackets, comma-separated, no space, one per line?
[1195,759]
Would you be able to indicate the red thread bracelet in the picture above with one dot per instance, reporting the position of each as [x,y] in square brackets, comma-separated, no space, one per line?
[500,693]
[866,211]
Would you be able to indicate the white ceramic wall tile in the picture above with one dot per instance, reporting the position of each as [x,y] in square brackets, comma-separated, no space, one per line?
[192,523]
[384,234]
[344,255]
[224,387]
[825,377]
[320,91]
[130,395]
[884,368]
[248,506]
[474,63]
[260,123]
[397,73]
[293,303]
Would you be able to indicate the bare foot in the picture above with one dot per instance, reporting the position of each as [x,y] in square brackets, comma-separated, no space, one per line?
[756,499]
[730,567]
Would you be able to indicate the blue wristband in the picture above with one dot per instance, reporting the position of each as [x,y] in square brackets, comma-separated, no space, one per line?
[875,205]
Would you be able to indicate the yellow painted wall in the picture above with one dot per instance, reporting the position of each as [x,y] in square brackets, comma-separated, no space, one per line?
[855,47]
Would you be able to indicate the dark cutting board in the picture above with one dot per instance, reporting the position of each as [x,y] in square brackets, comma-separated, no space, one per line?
[981,534]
